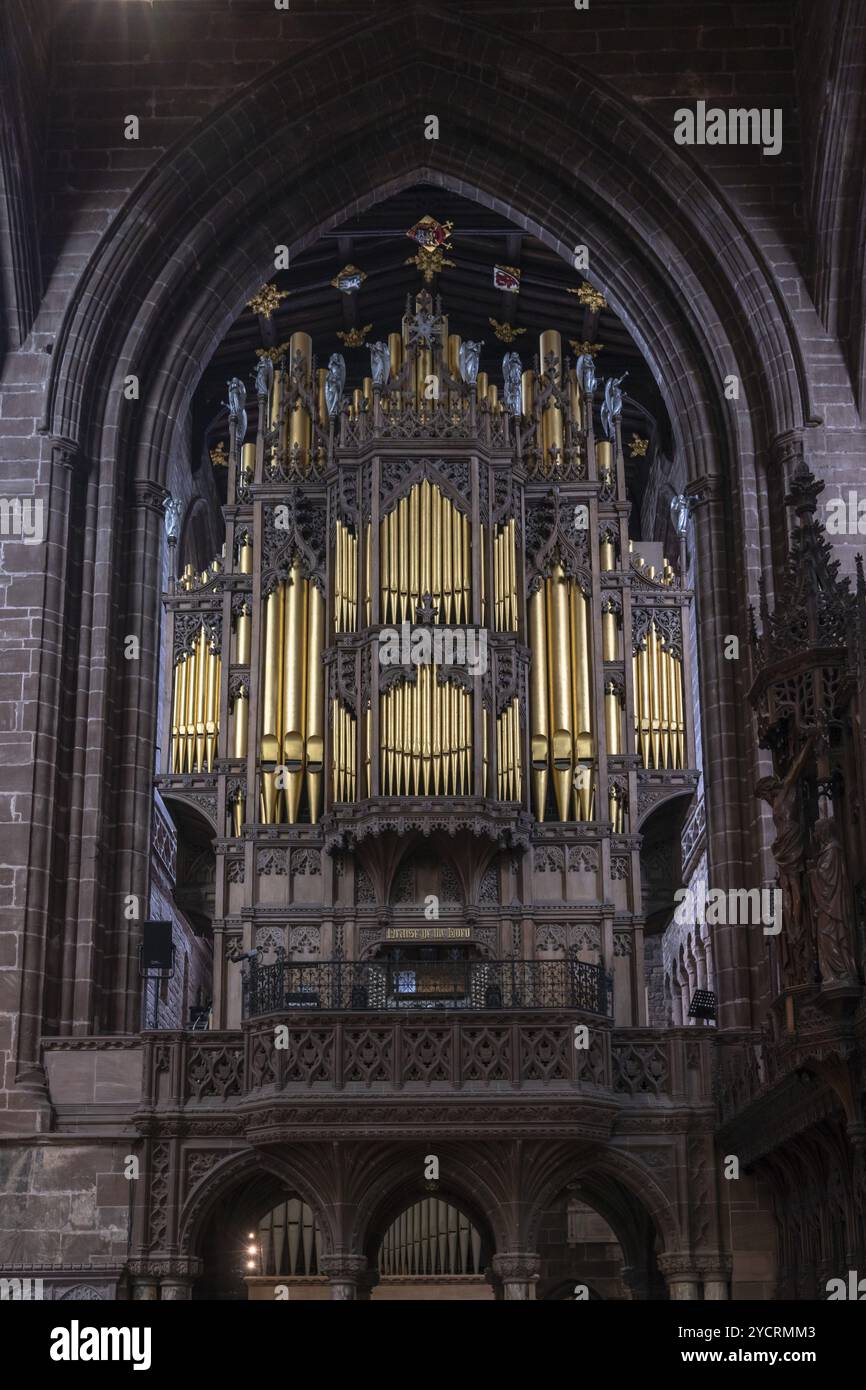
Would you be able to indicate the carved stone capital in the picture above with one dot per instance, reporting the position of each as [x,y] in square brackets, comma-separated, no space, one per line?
[150,495]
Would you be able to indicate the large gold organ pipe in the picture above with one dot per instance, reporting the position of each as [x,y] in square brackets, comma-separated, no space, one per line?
[551,422]
[300,425]
[425,548]
[426,737]
[294,689]
[561,719]
[539,740]
[560,675]
[292,701]
[658,682]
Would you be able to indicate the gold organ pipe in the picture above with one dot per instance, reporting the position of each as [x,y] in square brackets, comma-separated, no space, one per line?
[454,756]
[338,576]
[368,573]
[241,723]
[445,519]
[604,458]
[272,698]
[527,392]
[551,423]
[454,354]
[482,385]
[384,571]
[299,419]
[653,647]
[609,634]
[245,555]
[321,407]
[574,399]
[538,726]
[485,758]
[467,566]
[437,733]
[664,711]
[239,811]
[497,581]
[244,631]
[423,370]
[560,688]
[457,575]
[607,553]
[201,663]
[414,549]
[403,516]
[492,394]
[211,721]
[368,759]
[679,724]
[436,550]
[483,576]
[184,697]
[424,579]
[393,562]
[613,723]
[174,747]
[357,401]
[645,702]
[315,731]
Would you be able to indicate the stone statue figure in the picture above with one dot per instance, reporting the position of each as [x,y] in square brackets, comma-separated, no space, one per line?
[469,359]
[172,509]
[680,508]
[830,896]
[788,849]
[585,370]
[612,408]
[380,363]
[334,383]
[238,408]
[512,372]
[264,377]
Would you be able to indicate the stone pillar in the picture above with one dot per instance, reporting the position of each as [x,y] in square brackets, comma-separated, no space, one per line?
[518,1271]
[681,1276]
[144,1288]
[175,1288]
[716,1274]
[345,1274]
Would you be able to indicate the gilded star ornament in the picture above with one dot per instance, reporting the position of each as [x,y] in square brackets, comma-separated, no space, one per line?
[505,332]
[585,349]
[354,337]
[266,300]
[429,263]
[637,447]
[218,456]
[592,298]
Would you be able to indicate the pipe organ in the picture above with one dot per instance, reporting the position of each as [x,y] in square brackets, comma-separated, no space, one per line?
[427,606]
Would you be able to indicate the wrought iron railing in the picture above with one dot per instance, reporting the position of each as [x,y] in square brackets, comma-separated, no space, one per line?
[375,986]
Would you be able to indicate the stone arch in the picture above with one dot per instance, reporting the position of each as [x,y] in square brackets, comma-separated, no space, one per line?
[619,1187]
[469,1182]
[251,1179]
[178,263]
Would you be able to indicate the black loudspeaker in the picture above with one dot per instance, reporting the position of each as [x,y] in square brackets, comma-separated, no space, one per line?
[156,949]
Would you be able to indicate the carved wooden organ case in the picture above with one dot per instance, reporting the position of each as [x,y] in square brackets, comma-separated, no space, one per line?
[422,503]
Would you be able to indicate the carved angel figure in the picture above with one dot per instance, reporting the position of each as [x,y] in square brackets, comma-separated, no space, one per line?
[264,377]
[612,408]
[237,408]
[680,508]
[512,372]
[380,363]
[334,383]
[172,509]
[789,850]
[469,359]
[585,370]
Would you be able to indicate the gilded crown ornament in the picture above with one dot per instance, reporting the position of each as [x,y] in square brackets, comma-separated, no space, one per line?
[354,337]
